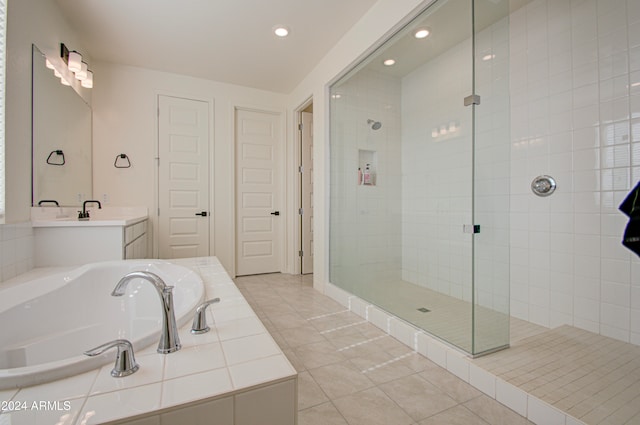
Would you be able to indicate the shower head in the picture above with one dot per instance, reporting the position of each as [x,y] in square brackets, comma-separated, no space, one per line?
[375,125]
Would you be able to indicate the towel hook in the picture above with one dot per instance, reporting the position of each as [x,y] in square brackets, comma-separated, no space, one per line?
[122,156]
[56,152]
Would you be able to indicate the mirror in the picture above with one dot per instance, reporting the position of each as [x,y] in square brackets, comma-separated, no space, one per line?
[61,139]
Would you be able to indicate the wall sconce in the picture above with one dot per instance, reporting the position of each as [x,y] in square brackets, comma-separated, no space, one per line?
[76,65]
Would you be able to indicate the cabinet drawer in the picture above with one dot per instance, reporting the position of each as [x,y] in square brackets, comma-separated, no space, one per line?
[134,231]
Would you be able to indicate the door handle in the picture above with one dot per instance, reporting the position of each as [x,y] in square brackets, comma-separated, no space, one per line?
[203,213]
[275,213]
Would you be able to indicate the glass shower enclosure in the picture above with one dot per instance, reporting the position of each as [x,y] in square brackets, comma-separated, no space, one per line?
[419,175]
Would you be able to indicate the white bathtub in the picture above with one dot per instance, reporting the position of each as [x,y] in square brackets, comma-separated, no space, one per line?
[47,323]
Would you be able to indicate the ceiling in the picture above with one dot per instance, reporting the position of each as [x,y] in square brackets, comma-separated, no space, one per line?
[230,41]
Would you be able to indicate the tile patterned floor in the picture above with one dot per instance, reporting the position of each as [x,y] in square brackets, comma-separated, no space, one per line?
[352,373]
[591,377]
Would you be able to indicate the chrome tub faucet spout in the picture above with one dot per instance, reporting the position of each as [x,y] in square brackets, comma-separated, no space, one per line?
[169,340]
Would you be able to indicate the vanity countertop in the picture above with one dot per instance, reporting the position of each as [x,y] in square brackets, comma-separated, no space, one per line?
[68,216]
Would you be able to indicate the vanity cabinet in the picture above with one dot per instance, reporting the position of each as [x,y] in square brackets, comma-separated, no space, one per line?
[72,243]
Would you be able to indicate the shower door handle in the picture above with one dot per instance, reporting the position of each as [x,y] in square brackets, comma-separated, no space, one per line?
[471,228]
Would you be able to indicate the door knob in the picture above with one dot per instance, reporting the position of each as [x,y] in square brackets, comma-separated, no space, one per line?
[203,213]
[275,213]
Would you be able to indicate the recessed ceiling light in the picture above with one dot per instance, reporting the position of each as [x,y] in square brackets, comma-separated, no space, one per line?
[281,31]
[422,33]
[389,62]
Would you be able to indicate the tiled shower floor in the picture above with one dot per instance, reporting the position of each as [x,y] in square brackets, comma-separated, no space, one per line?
[448,317]
[352,373]
[591,377]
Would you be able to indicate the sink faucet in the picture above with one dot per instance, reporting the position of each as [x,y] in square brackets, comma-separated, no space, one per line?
[84,213]
[169,341]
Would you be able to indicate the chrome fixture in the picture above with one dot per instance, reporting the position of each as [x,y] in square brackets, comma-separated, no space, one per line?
[543,185]
[84,214]
[375,125]
[125,360]
[199,325]
[169,340]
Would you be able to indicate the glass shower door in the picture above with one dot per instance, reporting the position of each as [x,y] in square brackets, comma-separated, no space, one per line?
[491,179]
[402,191]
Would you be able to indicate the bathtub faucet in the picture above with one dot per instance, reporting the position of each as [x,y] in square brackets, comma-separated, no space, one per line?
[169,341]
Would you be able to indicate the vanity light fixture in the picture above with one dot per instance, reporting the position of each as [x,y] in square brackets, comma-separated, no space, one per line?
[87,83]
[74,61]
[82,74]
[76,65]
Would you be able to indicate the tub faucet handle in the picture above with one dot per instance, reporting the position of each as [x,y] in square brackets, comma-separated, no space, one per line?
[125,360]
[199,325]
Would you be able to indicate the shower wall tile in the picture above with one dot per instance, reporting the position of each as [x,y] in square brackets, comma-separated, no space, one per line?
[583,73]
[16,250]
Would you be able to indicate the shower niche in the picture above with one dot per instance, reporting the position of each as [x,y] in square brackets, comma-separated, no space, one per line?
[367,167]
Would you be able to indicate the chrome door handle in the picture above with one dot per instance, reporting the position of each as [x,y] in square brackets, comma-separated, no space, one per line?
[203,213]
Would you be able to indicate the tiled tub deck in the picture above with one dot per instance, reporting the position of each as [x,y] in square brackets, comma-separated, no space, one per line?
[235,373]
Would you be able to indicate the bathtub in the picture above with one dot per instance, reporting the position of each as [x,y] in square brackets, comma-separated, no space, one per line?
[48,322]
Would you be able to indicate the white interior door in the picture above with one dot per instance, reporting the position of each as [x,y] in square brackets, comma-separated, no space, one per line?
[258,217]
[307,192]
[183,183]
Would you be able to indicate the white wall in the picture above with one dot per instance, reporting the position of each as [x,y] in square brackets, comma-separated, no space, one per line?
[125,121]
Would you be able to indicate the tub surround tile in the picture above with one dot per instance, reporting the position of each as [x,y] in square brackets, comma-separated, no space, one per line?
[189,340]
[240,328]
[235,357]
[249,348]
[227,313]
[151,370]
[65,413]
[195,387]
[6,395]
[121,404]
[259,371]
[193,360]
[76,386]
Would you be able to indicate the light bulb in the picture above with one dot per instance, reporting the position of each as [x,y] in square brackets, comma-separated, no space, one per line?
[87,83]
[75,61]
[82,74]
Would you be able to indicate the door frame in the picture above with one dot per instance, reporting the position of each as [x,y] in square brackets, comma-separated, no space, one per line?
[282,186]
[295,198]
[153,215]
